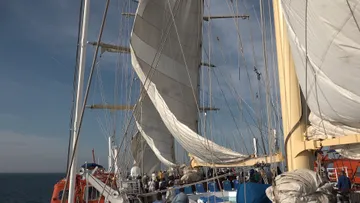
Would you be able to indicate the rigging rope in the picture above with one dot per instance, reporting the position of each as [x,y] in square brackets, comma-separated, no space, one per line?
[259,116]
[223,95]
[232,115]
[209,81]
[107,127]
[266,75]
[149,74]
[353,15]
[86,96]
[241,100]
[74,85]
[306,68]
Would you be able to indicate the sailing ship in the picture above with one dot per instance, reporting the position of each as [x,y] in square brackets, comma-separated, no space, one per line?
[318,100]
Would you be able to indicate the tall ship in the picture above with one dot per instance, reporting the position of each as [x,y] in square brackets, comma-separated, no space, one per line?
[295,106]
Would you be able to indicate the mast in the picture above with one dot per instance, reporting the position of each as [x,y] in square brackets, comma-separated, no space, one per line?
[110,154]
[116,163]
[79,98]
[93,155]
[255,146]
[198,94]
[292,111]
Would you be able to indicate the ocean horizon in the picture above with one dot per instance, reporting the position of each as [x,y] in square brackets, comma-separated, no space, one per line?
[29,187]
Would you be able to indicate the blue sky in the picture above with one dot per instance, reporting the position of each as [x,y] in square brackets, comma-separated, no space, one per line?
[37,56]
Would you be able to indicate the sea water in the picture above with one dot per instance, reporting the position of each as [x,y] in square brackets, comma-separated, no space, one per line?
[27,188]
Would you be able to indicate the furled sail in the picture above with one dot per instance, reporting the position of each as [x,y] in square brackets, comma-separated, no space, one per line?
[143,155]
[332,76]
[166,54]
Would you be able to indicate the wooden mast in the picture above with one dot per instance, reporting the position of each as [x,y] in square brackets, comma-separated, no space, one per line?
[297,155]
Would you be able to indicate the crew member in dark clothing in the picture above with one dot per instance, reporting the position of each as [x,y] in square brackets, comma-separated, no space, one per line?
[344,183]
[253,176]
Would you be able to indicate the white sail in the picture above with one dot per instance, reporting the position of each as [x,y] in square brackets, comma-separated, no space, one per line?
[160,41]
[153,130]
[143,155]
[333,47]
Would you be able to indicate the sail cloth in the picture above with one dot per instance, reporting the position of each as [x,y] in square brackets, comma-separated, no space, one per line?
[332,76]
[160,40]
[300,186]
[155,133]
[143,155]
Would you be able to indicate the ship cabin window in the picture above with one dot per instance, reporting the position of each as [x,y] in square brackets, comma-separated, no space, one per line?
[93,194]
[61,194]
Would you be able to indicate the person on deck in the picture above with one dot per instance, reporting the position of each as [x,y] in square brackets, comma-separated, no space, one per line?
[166,175]
[262,177]
[344,183]
[171,176]
[153,184]
[181,197]
[254,176]
[269,175]
[158,198]
[145,181]
[170,193]
[160,175]
[163,186]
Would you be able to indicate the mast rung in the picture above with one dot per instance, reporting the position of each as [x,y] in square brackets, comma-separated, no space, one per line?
[126,50]
[207,18]
[111,107]
[208,65]
[111,47]
[205,109]
[128,14]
